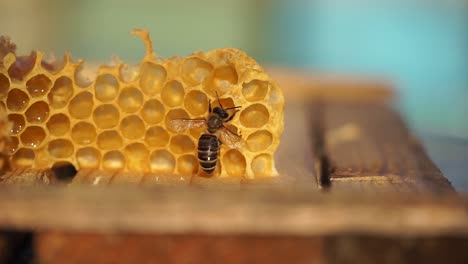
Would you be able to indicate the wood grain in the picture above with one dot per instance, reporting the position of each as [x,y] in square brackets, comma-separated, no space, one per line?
[369,148]
[181,210]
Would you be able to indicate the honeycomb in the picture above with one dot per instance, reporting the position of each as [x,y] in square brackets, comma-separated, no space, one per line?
[119,120]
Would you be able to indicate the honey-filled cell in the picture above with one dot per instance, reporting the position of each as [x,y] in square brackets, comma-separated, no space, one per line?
[195,70]
[254,116]
[262,165]
[17,100]
[58,125]
[162,161]
[81,105]
[132,127]
[152,111]
[38,85]
[181,144]
[106,88]
[61,92]
[187,165]
[106,116]
[234,163]
[12,145]
[173,93]
[196,103]
[137,157]
[156,136]
[88,158]
[60,148]
[83,133]
[152,78]
[259,140]
[109,140]
[33,136]
[130,99]
[113,160]
[17,123]
[37,112]
[23,158]
[4,85]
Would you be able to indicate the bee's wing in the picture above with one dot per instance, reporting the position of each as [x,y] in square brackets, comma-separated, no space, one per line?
[231,139]
[181,124]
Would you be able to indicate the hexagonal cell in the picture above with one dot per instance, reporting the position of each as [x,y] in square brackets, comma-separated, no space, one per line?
[173,93]
[195,70]
[130,99]
[106,87]
[137,157]
[162,161]
[259,140]
[255,90]
[152,78]
[17,100]
[221,80]
[83,133]
[197,132]
[4,85]
[38,85]
[132,127]
[60,148]
[22,66]
[262,165]
[12,145]
[52,64]
[17,123]
[62,172]
[187,165]
[84,75]
[37,112]
[23,158]
[33,136]
[254,116]
[275,98]
[153,111]
[182,144]
[58,124]
[61,92]
[109,140]
[129,73]
[113,160]
[174,114]
[88,158]
[106,116]
[196,103]
[234,163]
[156,136]
[81,105]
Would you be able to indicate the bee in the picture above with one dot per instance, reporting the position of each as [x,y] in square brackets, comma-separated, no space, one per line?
[209,143]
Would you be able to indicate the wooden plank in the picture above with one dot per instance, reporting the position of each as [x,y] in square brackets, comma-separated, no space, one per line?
[368,145]
[62,247]
[182,210]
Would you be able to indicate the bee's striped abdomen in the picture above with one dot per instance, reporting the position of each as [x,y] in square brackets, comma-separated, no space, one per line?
[208,148]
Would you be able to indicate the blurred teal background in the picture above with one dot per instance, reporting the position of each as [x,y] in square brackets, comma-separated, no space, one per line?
[421,46]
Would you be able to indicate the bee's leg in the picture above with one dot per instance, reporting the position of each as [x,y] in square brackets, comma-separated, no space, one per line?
[232,116]
[209,106]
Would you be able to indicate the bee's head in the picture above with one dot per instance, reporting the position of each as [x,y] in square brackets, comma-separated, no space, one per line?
[221,112]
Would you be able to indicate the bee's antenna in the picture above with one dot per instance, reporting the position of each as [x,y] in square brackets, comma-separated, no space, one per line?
[219,101]
[234,107]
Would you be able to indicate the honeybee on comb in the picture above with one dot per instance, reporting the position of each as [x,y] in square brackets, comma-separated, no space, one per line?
[209,143]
